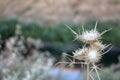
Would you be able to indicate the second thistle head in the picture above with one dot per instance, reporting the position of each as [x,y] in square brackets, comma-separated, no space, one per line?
[80,54]
[90,55]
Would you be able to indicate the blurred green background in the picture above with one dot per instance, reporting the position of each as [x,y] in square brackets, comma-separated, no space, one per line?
[59,33]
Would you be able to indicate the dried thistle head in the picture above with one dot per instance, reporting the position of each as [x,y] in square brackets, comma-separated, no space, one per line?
[90,55]
[93,55]
[89,36]
[80,54]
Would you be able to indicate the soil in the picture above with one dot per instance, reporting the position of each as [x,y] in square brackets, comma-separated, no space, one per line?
[57,11]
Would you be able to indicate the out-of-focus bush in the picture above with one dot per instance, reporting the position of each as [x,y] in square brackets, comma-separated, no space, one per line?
[7,28]
[36,67]
[109,74]
[59,32]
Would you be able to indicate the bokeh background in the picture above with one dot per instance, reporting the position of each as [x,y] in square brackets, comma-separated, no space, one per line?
[33,38]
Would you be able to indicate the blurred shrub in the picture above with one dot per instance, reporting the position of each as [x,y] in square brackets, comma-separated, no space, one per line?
[36,67]
[59,32]
[109,74]
[7,28]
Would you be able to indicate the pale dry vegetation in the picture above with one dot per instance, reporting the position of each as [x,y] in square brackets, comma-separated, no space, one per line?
[52,11]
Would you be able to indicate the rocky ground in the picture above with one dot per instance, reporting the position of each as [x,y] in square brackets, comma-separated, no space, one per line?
[56,11]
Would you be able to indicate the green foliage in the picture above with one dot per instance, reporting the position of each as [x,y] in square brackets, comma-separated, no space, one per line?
[31,30]
[7,28]
[109,74]
[59,33]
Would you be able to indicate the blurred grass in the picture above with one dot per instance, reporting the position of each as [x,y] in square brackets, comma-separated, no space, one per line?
[59,33]
[108,74]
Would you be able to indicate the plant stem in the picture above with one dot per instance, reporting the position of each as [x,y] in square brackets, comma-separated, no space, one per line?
[87,71]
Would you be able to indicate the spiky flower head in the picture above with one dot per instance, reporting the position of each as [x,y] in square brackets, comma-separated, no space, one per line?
[80,53]
[93,56]
[90,36]
[92,53]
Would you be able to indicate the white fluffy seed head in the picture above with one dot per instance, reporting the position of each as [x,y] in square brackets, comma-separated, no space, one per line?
[80,53]
[93,55]
[90,36]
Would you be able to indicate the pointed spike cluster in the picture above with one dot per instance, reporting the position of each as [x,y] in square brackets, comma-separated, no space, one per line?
[93,53]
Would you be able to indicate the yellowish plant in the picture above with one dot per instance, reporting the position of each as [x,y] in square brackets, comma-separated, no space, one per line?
[89,55]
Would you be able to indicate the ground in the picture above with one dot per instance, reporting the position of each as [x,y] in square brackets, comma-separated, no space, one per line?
[56,11]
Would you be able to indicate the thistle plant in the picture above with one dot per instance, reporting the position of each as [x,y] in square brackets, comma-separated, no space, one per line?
[89,55]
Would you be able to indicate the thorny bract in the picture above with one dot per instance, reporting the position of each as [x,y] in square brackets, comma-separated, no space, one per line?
[91,54]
